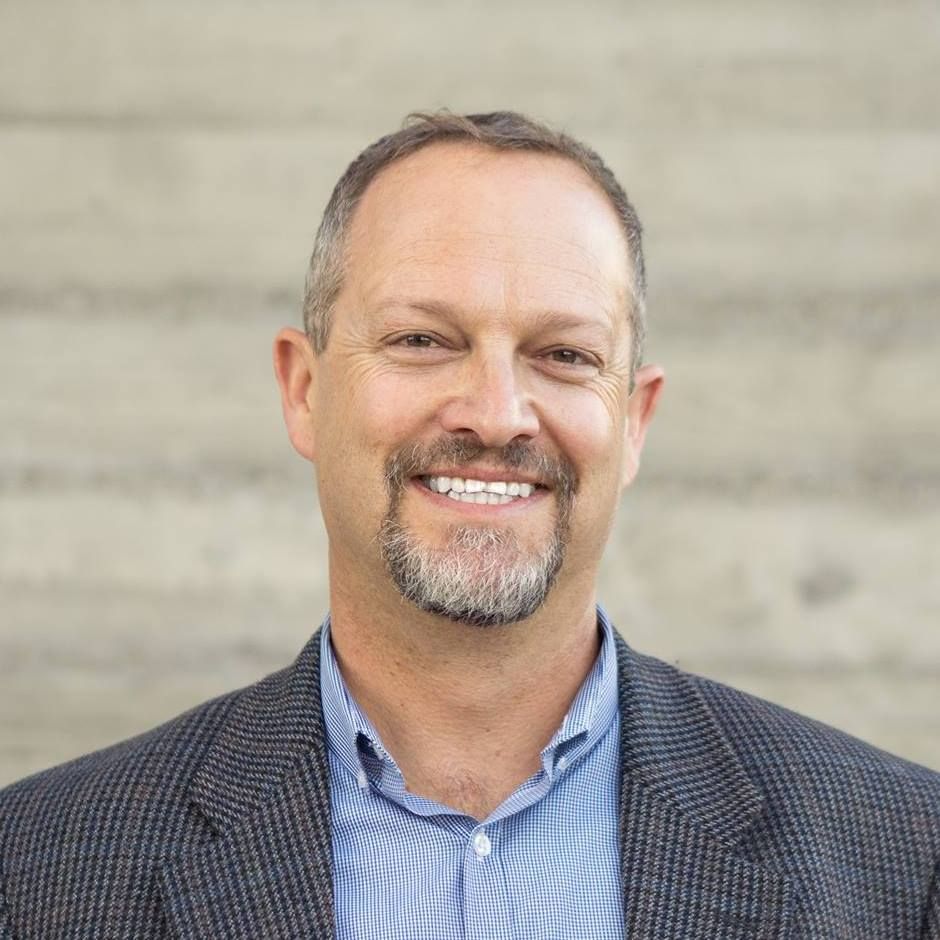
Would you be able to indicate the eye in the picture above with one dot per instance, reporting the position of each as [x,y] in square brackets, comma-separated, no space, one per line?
[417,341]
[570,357]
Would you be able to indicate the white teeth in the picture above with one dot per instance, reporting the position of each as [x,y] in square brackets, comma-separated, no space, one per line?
[493,493]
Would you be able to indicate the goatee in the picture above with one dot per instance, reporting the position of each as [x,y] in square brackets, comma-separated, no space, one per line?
[482,576]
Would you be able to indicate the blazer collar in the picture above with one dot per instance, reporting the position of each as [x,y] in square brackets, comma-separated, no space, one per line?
[686,804]
[264,788]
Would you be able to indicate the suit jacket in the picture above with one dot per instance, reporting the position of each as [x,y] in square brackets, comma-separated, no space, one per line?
[739,820]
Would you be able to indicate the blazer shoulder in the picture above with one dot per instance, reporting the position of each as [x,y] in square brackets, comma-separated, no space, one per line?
[140,783]
[103,825]
[785,751]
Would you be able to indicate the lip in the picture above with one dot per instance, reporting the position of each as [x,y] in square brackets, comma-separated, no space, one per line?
[480,510]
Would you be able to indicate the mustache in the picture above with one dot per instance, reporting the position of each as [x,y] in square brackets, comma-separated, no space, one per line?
[557,473]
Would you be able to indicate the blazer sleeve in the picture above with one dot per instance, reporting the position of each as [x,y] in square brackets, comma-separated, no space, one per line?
[6,931]
[931,929]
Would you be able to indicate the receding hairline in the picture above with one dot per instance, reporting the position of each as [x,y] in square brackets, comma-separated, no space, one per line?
[490,149]
[494,131]
[486,149]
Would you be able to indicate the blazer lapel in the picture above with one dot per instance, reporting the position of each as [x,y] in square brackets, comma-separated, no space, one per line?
[686,804]
[264,788]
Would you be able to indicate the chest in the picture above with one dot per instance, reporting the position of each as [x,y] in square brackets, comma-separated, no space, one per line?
[542,866]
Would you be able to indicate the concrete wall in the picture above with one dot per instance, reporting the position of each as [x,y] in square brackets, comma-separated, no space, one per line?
[162,170]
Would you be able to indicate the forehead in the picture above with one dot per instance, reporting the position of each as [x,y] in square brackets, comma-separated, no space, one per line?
[466,224]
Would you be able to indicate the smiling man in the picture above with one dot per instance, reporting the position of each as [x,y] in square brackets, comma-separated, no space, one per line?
[467,748]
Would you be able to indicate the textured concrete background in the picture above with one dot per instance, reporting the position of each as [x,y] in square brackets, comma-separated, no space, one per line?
[162,171]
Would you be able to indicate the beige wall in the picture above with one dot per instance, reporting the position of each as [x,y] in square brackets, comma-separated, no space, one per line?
[162,170]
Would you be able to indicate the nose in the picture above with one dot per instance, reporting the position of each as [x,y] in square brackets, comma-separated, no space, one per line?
[490,401]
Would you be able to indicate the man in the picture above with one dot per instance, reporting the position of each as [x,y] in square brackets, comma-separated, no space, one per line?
[466,748]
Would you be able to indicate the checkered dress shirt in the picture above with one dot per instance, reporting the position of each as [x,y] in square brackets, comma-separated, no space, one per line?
[542,865]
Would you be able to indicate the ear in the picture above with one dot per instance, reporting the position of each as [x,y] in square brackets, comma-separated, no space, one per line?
[648,386]
[295,366]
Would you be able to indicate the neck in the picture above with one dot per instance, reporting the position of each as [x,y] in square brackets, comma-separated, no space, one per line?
[464,710]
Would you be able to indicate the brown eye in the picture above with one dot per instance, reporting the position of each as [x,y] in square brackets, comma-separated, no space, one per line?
[568,357]
[418,340]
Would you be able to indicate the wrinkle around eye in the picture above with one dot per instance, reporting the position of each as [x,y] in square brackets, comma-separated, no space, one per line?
[400,349]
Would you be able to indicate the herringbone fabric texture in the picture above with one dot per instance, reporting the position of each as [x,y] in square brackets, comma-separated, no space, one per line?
[739,820]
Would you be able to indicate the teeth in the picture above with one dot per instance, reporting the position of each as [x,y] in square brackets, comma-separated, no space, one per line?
[496,493]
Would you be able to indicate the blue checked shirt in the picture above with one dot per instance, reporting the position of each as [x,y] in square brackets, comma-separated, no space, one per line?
[545,864]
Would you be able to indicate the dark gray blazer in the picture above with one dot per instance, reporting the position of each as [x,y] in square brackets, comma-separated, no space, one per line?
[739,820]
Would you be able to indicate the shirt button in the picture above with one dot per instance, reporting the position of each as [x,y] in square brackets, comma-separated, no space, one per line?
[481,845]
[562,762]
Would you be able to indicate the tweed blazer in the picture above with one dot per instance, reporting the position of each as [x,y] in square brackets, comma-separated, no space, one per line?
[739,820]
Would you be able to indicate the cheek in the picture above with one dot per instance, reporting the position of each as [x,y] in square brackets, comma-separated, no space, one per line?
[390,412]
[595,444]
[368,417]
[589,431]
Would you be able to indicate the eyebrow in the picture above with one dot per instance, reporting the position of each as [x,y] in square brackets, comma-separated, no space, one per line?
[544,319]
[433,307]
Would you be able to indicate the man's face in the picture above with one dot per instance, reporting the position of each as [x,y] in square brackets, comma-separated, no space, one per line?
[481,337]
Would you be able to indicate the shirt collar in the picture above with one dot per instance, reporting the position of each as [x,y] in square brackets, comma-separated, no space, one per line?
[357,745]
[592,711]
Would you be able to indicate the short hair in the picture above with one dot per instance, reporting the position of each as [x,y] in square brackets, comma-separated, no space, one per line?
[499,130]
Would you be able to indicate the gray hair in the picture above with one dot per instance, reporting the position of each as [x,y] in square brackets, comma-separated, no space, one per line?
[500,130]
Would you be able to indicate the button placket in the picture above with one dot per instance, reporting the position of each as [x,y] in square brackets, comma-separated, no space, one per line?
[486,907]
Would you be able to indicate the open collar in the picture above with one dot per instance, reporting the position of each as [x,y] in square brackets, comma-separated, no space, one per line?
[356,744]
[685,805]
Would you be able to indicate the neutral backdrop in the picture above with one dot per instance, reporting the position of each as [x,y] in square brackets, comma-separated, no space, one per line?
[163,167]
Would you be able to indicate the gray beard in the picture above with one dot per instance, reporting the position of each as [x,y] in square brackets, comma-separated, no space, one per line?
[482,576]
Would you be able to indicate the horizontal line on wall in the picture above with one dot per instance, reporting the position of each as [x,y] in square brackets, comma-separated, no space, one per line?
[216,479]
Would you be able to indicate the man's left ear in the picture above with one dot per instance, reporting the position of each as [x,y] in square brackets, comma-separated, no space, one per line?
[647,387]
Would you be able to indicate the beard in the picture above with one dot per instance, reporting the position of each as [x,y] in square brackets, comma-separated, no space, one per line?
[482,576]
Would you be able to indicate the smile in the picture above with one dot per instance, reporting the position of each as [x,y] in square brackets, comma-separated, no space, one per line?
[480,492]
